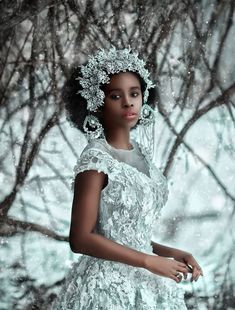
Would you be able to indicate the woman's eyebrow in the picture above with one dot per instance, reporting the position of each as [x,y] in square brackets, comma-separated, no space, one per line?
[119,89]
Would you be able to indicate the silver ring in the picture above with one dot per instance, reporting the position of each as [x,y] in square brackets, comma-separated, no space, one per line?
[178,275]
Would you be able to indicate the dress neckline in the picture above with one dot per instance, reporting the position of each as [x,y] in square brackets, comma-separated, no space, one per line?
[118,149]
[134,144]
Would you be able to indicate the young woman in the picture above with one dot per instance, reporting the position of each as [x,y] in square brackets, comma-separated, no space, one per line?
[118,195]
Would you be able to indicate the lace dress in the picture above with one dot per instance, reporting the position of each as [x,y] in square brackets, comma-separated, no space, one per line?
[129,206]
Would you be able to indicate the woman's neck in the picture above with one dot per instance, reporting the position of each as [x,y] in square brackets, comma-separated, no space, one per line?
[119,139]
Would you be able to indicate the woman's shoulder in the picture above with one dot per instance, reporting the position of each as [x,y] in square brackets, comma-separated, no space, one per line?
[94,157]
[96,145]
[97,148]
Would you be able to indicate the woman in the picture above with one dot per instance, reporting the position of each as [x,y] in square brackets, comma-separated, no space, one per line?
[118,195]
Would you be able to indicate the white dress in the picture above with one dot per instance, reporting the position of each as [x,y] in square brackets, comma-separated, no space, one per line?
[130,206]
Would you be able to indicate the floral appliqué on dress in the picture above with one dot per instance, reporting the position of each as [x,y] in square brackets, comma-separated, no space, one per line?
[130,205]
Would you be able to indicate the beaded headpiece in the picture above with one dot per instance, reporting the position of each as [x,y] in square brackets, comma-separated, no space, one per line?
[96,73]
[98,68]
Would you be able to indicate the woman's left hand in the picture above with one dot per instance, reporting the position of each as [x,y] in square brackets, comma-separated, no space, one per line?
[188,259]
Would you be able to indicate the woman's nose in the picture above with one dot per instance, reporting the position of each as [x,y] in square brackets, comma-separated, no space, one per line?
[127,102]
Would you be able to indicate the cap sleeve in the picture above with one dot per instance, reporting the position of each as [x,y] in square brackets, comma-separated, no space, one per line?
[94,157]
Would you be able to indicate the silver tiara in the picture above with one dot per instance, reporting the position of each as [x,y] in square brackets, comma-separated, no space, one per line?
[98,68]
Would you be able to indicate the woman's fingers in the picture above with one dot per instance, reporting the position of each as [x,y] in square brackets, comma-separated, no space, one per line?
[183,272]
[200,270]
[185,275]
[182,265]
[196,274]
[183,268]
[177,277]
[195,265]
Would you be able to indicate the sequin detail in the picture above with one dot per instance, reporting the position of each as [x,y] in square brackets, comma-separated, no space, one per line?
[130,205]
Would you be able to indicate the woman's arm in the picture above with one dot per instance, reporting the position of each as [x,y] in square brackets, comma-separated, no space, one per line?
[83,238]
[165,251]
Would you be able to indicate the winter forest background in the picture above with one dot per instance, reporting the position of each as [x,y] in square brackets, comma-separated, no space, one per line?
[190,50]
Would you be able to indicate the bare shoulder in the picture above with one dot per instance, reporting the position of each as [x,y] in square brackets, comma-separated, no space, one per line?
[89,180]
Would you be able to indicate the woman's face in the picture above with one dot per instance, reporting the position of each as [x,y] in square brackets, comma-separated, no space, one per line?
[123,101]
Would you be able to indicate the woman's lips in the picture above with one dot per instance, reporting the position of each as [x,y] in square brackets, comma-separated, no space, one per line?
[129,116]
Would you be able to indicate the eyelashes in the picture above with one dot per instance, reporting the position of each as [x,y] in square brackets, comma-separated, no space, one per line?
[116,97]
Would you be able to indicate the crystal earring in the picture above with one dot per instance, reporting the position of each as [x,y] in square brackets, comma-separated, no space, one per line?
[92,127]
[146,115]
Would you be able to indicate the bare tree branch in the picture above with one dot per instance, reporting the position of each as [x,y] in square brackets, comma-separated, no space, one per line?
[13,226]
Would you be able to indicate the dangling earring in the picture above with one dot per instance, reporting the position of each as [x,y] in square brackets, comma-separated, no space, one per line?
[146,115]
[92,127]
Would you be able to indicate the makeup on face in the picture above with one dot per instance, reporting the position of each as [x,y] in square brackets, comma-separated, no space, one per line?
[123,100]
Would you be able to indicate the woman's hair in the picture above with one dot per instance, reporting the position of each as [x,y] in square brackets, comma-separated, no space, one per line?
[76,105]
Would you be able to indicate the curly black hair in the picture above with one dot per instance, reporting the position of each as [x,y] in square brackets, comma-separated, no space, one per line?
[76,105]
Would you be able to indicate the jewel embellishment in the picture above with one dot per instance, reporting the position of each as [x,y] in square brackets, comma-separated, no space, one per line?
[98,68]
[92,127]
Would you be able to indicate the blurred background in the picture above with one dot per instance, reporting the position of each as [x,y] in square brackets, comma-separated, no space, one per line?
[189,47]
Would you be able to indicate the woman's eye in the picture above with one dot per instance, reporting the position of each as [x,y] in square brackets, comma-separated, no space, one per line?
[114,97]
[135,94]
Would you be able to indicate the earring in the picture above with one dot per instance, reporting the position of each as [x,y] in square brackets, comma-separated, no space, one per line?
[146,115]
[92,127]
